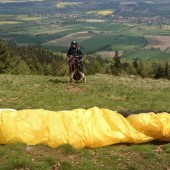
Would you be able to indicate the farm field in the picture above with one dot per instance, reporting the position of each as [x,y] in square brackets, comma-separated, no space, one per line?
[110,54]
[145,54]
[8,22]
[91,39]
[161,42]
[65,41]
[95,30]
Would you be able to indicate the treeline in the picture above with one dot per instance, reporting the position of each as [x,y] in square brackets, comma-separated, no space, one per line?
[30,60]
[145,69]
[37,60]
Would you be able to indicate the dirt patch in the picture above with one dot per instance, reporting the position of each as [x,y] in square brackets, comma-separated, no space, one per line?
[108,53]
[94,20]
[161,42]
[74,89]
[61,154]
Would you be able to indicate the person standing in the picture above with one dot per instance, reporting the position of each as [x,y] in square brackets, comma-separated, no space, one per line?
[75,55]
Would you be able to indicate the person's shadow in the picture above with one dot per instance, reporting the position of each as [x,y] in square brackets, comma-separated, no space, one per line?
[64,81]
[57,81]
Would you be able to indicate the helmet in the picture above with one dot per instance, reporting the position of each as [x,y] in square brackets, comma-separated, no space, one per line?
[74,43]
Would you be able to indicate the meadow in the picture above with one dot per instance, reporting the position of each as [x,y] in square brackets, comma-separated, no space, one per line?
[126,95]
[54,93]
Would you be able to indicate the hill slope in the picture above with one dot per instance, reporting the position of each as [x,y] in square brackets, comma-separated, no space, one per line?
[54,93]
[104,91]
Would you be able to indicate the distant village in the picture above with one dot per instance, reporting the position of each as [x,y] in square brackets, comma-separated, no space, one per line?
[69,17]
[142,20]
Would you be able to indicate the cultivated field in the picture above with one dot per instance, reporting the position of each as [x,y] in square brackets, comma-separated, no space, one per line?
[108,53]
[65,41]
[32,25]
[8,22]
[28,18]
[64,4]
[161,42]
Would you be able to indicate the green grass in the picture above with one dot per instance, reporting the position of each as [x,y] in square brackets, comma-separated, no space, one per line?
[118,157]
[104,91]
[151,55]
[54,93]
[107,27]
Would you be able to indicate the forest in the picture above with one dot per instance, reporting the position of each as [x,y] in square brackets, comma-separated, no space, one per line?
[39,61]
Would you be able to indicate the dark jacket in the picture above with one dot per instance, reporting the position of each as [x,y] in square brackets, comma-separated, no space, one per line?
[74,52]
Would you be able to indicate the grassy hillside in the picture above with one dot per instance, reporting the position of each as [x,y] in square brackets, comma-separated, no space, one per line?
[54,93]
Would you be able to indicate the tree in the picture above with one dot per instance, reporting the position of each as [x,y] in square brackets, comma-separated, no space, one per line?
[116,65]
[7,61]
[22,68]
[116,53]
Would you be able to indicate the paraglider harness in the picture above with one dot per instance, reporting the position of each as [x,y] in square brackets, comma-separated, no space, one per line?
[76,66]
[75,61]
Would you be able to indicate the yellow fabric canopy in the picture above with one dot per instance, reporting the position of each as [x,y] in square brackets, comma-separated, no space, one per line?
[93,127]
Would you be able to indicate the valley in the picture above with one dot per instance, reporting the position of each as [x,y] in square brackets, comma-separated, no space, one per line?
[97,25]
